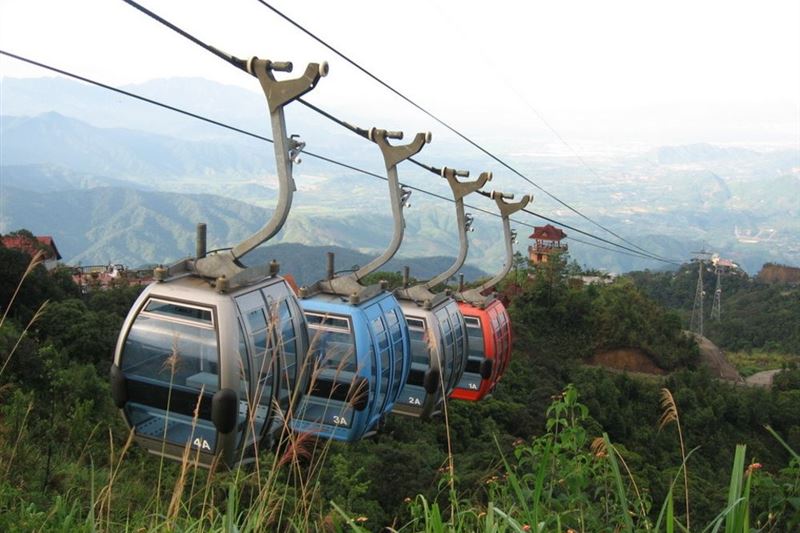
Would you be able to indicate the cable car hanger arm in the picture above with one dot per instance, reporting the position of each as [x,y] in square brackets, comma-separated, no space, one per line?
[460,190]
[171,271]
[287,150]
[392,156]
[506,210]
[238,63]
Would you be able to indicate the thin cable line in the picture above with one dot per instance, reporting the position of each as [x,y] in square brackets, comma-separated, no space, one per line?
[136,96]
[241,64]
[601,239]
[310,154]
[587,243]
[445,124]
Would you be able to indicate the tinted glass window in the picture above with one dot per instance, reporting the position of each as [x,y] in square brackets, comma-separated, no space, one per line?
[260,335]
[332,342]
[287,340]
[174,310]
[419,342]
[244,380]
[334,370]
[448,353]
[171,359]
[244,364]
[459,348]
[172,353]
[397,341]
[471,379]
[475,337]
[384,358]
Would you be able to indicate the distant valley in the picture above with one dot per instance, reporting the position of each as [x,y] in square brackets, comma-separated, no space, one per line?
[115,180]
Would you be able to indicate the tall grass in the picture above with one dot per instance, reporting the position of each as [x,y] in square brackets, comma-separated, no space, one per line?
[559,481]
[670,415]
[35,261]
[564,480]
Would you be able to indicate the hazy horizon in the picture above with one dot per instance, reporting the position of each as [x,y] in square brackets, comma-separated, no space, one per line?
[577,72]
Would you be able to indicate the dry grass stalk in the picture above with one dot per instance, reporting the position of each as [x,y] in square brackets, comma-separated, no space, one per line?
[171,363]
[598,447]
[186,461]
[103,503]
[669,414]
[36,316]
[208,508]
[633,483]
[433,350]
[19,437]
[306,457]
[35,261]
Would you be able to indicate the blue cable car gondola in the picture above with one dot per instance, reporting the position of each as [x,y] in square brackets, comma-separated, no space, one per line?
[211,355]
[488,323]
[436,326]
[359,336]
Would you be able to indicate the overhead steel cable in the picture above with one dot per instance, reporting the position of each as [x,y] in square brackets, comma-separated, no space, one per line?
[601,239]
[621,252]
[134,95]
[444,123]
[267,139]
[241,64]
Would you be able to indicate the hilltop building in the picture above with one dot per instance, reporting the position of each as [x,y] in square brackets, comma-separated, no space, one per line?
[547,244]
[101,277]
[30,244]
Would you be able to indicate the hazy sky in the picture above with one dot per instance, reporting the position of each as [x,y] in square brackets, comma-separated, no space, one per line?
[615,71]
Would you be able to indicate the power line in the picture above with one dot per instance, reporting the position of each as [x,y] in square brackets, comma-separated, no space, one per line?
[134,95]
[447,125]
[241,64]
[601,239]
[621,252]
[310,154]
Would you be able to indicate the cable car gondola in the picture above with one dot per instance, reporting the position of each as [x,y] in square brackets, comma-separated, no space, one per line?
[210,354]
[359,335]
[436,325]
[487,320]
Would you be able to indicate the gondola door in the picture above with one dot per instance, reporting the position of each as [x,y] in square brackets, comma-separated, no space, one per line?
[168,370]
[259,337]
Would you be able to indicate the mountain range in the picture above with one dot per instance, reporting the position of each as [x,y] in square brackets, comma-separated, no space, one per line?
[114,179]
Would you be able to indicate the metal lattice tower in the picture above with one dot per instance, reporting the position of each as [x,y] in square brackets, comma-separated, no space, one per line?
[696,324]
[716,307]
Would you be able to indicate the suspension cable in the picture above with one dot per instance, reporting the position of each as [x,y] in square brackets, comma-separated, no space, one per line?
[601,239]
[310,154]
[239,63]
[621,252]
[442,122]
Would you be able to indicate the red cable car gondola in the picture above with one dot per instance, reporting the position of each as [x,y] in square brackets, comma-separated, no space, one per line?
[487,321]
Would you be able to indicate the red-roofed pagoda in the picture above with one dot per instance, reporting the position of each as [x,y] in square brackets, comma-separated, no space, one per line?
[547,242]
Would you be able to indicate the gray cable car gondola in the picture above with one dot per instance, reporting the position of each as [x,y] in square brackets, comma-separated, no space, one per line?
[359,335]
[436,326]
[210,355]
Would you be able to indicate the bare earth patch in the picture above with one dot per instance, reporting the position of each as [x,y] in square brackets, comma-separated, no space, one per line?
[627,360]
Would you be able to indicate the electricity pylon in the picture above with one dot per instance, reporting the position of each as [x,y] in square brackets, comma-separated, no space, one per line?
[716,307]
[696,324]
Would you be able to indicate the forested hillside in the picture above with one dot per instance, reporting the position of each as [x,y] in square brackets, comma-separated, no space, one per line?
[558,446]
[755,315]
